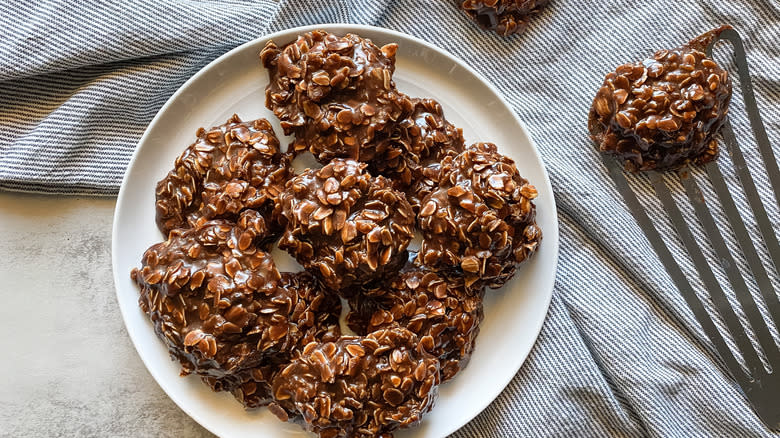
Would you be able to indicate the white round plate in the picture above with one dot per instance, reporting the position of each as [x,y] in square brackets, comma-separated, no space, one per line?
[235,83]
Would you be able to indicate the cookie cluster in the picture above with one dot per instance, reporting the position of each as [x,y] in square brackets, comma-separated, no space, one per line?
[392,165]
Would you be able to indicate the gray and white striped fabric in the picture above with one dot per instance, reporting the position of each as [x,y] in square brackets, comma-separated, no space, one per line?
[620,353]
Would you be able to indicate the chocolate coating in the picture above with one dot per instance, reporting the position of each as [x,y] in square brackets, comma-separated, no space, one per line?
[229,168]
[336,94]
[216,300]
[506,17]
[663,112]
[343,224]
[480,220]
[443,313]
[360,387]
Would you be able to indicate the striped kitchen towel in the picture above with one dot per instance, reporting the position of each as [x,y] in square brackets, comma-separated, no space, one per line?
[620,353]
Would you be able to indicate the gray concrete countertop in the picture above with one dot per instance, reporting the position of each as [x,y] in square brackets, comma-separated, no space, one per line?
[68,367]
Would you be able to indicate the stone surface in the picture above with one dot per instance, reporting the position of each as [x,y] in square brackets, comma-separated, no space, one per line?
[69,368]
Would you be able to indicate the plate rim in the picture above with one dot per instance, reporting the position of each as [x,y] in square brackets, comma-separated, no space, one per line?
[553,234]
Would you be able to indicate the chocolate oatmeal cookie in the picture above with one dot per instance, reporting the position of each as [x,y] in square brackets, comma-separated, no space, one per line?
[663,112]
[220,305]
[334,93]
[479,222]
[505,17]
[421,137]
[442,312]
[314,315]
[359,387]
[343,224]
[229,168]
